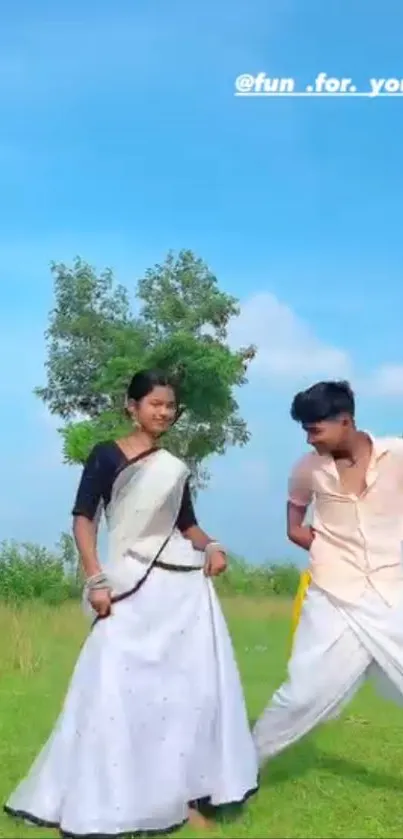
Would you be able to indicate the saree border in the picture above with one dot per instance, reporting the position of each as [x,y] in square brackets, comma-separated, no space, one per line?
[119,597]
[197,804]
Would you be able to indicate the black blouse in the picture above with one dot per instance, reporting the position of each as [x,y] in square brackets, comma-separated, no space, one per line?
[104,464]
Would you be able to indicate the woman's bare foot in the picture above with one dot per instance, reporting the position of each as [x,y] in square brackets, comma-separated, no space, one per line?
[198,821]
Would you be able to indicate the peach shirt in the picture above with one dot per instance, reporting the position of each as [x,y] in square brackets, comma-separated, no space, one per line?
[357,539]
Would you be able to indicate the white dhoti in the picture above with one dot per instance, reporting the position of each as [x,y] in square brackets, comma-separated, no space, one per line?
[337,647]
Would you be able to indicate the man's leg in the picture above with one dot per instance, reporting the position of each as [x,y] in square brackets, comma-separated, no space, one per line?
[379,628]
[327,666]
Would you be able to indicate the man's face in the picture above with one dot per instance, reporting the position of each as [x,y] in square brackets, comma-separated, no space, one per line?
[327,436]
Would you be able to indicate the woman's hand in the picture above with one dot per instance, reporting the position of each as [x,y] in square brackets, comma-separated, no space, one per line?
[215,564]
[100,600]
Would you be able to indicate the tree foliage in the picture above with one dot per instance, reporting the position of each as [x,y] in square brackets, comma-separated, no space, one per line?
[95,343]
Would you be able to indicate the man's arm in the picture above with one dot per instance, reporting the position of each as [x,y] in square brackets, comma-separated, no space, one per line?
[300,494]
[297,532]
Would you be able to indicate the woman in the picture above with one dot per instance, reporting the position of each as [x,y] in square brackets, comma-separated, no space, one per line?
[154,718]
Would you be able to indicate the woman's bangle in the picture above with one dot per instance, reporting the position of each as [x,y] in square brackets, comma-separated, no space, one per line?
[97,582]
[214,547]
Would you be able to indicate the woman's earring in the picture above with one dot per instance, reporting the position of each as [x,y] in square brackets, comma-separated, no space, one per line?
[129,413]
[131,416]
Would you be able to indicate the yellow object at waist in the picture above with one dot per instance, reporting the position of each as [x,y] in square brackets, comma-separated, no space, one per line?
[304,583]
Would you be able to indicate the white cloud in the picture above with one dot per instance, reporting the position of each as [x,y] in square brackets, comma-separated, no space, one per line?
[386,380]
[288,349]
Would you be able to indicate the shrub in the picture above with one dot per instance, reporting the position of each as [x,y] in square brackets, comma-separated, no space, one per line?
[31,572]
[259,580]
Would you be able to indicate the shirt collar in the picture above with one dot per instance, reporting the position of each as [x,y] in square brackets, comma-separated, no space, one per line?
[380,446]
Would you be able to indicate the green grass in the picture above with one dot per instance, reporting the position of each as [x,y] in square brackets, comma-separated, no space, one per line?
[346,780]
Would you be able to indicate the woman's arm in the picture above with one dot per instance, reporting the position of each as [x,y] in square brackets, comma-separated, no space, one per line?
[197,537]
[216,561]
[85,530]
[85,535]
[86,510]
[216,558]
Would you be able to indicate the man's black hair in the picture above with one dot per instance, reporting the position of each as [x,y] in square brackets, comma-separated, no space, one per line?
[323,401]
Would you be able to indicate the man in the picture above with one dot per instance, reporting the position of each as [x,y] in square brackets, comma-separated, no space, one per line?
[351,624]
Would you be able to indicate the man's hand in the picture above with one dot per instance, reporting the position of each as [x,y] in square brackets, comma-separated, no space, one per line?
[299,533]
[215,564]
[303,536]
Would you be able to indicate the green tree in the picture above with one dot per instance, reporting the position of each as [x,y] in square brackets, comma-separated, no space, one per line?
[95,343]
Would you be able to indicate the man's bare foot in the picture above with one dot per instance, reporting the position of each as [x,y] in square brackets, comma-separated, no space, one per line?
[197,820]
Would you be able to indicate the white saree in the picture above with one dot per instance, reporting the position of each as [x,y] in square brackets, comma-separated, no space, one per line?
[154,716]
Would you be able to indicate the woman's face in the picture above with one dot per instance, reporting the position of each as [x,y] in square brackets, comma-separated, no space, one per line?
[156,412]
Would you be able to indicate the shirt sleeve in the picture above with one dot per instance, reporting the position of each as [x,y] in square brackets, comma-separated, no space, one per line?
[300,489]
[397,449]
[187,517]
[88,500]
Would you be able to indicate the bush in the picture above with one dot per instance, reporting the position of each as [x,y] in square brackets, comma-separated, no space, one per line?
[259,580]
[29,572]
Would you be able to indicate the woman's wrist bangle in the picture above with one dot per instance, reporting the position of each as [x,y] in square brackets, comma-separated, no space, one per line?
[214,547]
[97,582]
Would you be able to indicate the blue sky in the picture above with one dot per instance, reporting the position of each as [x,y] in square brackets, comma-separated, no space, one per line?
[121,139]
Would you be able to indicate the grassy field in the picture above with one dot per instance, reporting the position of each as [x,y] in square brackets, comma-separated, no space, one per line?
[344,781]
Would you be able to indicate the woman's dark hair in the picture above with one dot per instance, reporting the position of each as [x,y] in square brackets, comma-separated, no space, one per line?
[323,401]
[145,381]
